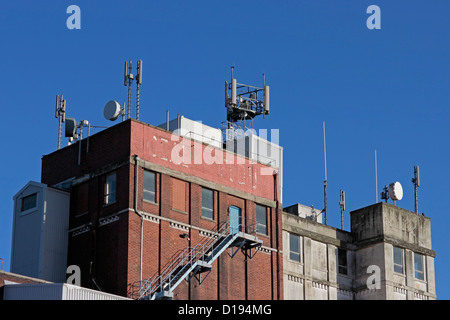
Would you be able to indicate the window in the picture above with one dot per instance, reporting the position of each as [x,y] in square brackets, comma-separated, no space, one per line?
[149,186]
[261,219]
[235,219]
[81,205]
[29,202]
[398,260]
[110,188]
[207,203]
[294,247]
[418,266]
[179,195]
[342,261]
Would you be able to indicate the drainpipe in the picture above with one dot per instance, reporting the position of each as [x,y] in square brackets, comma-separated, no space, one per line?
[136,175]
[277,240]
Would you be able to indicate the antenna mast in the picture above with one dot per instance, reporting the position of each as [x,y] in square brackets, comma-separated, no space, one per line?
[61,115]
[138,83]
[128,78]
[325,182]
[376,178]
[416,182]
[342,205]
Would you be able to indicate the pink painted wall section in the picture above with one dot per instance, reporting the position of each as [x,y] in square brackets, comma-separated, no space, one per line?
[203,161]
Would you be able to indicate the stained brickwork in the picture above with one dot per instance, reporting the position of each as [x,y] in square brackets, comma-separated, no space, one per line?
[105,240]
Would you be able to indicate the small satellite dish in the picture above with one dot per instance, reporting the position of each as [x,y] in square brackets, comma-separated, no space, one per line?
[112,110]
[396,191]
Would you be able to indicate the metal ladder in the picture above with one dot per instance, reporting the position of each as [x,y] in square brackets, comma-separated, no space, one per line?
[190,262]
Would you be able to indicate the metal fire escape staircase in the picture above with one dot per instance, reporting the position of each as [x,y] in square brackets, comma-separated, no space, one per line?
[192,262]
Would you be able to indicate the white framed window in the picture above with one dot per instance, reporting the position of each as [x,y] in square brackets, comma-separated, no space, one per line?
[110,188]
[419,266]
[294,247]
[149,186]
[399,260]
[261,219]
[207,203]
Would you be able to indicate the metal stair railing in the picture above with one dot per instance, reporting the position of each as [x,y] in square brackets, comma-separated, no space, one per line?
[191,259]
[184,263]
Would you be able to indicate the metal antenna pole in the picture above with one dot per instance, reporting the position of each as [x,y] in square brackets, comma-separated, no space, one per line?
[59,132]
[416,182]
[325,182]
[137,101]
[60,114]
[342,205]
[129,91]
[138,83]
[416,206]
[376,178]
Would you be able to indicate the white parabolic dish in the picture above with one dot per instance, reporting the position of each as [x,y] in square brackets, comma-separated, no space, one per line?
[112,110]
[396,191]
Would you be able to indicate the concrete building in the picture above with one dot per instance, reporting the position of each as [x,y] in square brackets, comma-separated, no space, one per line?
[386,256]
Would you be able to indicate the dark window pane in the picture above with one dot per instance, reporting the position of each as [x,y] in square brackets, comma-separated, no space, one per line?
[149,186]
[29,202]
[294,247]
[418,266]
[207,203]
[110,192]
[261,219]
[398,260]
[342,261]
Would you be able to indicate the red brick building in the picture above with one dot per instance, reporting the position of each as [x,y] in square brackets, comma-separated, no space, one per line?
[134,208]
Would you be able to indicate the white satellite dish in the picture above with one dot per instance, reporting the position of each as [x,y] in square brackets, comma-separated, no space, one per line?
[396,191]
[112,110]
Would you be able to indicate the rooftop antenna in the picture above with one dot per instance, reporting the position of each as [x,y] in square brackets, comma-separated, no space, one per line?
[245,102]
[113,110]
[128,78]
[416,182]
[61,115]
[376,178]
[342,205]
[138,83]
[325,182]
[395,191]
[385,194]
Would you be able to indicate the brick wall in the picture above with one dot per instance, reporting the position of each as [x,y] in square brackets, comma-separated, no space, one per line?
[105,241]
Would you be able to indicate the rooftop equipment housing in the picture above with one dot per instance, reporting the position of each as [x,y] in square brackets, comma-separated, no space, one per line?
[40,225]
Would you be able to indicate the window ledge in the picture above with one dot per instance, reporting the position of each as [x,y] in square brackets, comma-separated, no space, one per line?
[207,219]
[176,210]
[151,202]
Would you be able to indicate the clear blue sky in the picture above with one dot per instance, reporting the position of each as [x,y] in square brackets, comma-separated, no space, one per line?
[385,89]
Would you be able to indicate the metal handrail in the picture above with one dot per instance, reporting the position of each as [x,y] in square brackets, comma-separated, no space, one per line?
[186,259]
[198,250]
